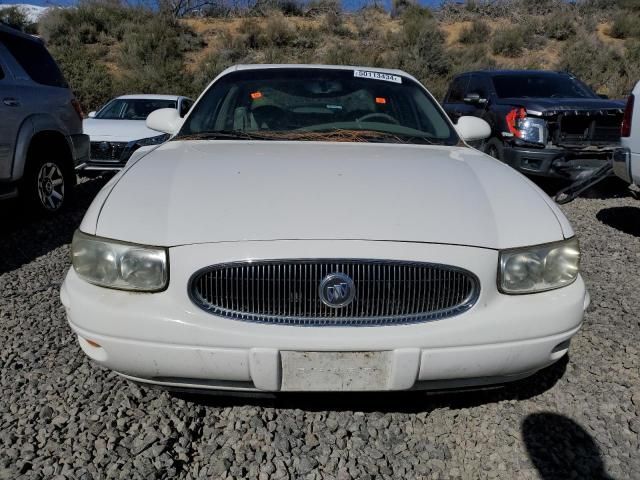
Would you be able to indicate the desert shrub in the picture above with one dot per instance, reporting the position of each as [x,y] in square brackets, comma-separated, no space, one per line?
[633,5]
[91,21]
[268,7]
[291,8]
[277,32]
[631,61]
[217,10]
[414,20]
[626,25]
[340,54]
[371,25]
[151,58]
[512,41]
[306,37]
[472,57]
[16,18]
[587,23]
[398,7]
[88,78]
[508,42]
[212,65]
[477,32]
[595,63]
[334,24]
[559,27]
[420,49]
[319,7]
[250,32]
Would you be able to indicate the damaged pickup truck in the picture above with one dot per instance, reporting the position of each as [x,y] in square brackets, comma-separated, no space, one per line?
[543,123]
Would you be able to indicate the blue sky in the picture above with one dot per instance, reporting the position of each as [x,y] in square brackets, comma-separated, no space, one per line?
[348,4]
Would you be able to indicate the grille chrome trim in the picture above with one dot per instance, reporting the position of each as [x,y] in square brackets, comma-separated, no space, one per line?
[109,151]
[388,292]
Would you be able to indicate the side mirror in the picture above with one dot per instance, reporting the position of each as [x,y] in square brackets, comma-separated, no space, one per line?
[165,120]
[473,128]
[474,98]
[92,115]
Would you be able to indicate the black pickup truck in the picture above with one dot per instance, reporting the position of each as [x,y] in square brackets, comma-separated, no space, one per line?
[543,123]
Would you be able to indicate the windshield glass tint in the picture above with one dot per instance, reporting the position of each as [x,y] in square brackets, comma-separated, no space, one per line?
[541,86]
[132,109]
[320,105]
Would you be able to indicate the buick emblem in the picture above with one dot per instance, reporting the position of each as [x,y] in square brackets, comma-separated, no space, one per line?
[337,290]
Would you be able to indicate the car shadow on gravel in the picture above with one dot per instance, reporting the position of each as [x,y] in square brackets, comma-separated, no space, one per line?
[559,448]
[25,236]
[625,219]
[388,402]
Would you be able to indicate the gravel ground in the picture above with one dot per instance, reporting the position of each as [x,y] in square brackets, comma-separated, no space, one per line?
[64,417]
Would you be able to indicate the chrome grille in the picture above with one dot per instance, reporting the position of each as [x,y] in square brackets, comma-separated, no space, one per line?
[286,292]
[108,151]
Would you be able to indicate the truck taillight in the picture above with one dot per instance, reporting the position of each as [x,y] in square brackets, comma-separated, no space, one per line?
[512,120]
[625,130]
[76,106]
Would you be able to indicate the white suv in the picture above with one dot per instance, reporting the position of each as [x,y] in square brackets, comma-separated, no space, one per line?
[626,162]
[41,138]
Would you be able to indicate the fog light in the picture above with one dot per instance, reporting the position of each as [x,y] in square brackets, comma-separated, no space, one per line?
[559,350]
[561,346]
[94,350]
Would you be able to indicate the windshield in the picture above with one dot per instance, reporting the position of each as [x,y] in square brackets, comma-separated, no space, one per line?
[318,104]
[132,108]
[540,86]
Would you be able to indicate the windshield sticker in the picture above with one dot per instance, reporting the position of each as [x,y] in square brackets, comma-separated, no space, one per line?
[377,76]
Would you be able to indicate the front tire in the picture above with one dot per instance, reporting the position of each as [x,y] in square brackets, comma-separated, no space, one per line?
[494,148]
[48,183]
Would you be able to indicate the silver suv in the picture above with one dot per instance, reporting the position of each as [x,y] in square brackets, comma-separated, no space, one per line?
[41,140]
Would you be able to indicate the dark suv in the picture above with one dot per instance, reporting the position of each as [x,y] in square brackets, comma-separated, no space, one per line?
[41,139]
[543,123]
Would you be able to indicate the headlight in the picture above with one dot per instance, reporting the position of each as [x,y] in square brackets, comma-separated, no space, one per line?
[114,264]
[539,268]
[529,129]
[533,130]
[143,142]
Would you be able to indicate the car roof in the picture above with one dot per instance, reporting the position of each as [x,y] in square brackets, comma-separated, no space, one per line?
[265,66]
[12,31]
[149,96]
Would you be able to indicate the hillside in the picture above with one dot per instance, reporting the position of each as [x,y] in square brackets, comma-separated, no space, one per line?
[105,48]
[32,13]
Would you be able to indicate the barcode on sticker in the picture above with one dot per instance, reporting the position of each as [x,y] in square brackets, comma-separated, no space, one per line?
[377,76]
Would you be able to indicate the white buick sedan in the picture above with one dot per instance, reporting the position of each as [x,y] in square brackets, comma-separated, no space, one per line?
[322,228]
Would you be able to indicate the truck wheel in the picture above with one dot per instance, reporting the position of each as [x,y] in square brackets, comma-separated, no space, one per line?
[494,148]
[48,183]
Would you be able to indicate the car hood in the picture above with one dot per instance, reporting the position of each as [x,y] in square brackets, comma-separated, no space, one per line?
[187,192]
[553,105]
[116,130]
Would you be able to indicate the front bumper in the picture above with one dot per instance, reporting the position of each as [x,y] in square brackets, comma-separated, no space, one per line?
[106,155]
[163,338]
[625,163]
[81,147]
[555,162]
[114,158]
